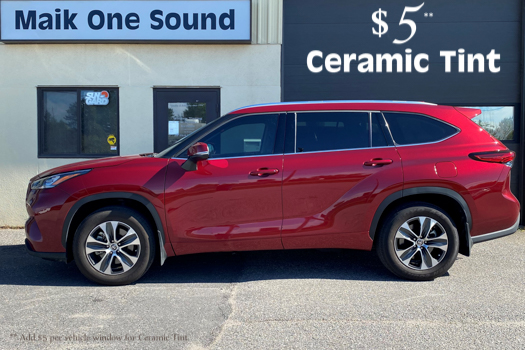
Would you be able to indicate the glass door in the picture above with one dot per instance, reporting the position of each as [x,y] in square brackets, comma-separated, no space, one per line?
[179,112]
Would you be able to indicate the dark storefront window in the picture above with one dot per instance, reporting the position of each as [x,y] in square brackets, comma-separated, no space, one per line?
[498,121]
[78,122]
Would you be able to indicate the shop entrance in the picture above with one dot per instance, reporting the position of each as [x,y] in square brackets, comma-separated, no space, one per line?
[179,112]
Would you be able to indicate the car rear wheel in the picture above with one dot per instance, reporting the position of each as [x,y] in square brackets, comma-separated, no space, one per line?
[418,242]
[114,246]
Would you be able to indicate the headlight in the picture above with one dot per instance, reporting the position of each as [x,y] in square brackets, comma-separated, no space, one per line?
[54,180]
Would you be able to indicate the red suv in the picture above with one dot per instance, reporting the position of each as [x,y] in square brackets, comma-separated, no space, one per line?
[418,181]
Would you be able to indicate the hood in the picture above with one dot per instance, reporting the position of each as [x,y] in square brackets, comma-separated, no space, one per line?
[88,164]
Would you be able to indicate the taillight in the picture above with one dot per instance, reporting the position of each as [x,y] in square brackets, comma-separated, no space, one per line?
[503,157]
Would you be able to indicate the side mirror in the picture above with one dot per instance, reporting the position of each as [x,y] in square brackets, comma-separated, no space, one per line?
[197,152]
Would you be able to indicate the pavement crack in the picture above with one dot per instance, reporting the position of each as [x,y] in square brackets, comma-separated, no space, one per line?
[227,317]
[228,321]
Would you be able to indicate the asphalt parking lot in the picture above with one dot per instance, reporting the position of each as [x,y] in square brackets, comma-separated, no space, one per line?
[266,300]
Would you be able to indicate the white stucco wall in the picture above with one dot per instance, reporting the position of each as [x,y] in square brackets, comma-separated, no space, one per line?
[246,74]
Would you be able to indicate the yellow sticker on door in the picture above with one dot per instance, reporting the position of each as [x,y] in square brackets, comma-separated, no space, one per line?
[112,140]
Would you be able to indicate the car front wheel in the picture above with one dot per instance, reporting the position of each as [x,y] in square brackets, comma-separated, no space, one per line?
[418,241]
[114,246]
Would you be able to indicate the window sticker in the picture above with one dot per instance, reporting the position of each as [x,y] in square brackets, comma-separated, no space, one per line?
[112,140]
[100,98]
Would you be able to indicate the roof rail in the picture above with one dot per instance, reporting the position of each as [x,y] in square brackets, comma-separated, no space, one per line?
[334,101]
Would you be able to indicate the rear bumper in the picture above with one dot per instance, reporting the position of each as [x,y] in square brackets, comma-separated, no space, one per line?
[493,235]
[45,255]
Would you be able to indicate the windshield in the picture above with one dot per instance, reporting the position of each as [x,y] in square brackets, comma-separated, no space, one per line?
[168,150]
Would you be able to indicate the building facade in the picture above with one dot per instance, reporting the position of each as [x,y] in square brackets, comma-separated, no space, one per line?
[130,79]
[43,112]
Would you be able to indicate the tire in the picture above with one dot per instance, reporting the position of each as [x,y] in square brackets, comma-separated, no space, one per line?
[109,261]
[416,257]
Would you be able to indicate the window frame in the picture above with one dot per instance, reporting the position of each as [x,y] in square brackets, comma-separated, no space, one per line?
[40,123]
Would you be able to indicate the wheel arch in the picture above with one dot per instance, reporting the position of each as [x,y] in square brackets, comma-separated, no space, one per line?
[448,200]
[87,205]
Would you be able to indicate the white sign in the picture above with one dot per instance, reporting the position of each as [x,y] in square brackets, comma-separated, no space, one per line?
[173,127]
[100,98]
[95,21]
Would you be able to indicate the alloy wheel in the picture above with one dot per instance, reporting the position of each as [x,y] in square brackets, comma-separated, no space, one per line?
[421,243]
[112,248]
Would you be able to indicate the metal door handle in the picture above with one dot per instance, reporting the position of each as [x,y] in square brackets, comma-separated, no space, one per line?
[264,172]
[378,162]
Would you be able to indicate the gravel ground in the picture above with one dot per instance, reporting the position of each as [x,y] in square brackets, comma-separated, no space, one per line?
[306,299]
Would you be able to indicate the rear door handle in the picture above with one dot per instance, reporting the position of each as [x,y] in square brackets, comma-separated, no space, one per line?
[377,162]
[264,172]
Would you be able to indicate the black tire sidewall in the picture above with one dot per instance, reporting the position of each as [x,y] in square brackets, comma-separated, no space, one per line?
[128,216]
[386,250]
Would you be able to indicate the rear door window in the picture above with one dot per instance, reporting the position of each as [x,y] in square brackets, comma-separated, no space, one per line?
[409,129]
[324,131]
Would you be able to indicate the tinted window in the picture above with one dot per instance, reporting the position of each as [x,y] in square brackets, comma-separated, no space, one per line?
[322,131]
[76,122]
[410,129]
[378,137]
[98,123]
[59,123]
[245,136]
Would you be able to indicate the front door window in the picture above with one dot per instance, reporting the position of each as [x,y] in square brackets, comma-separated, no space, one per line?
[246,136]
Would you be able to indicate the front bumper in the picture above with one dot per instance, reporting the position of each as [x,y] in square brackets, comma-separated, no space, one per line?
[498,234]
[45,255]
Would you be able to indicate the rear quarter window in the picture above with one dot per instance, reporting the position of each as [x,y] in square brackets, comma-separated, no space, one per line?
[409,129]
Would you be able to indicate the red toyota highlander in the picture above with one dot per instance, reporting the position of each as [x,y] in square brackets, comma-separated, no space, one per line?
[418,181]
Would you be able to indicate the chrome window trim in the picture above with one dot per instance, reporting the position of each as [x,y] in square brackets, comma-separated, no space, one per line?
[388,128]
[298,153]
[458,130]
[426,143]
[340,150]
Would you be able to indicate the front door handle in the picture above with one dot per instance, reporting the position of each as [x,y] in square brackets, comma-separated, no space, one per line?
[264,172]
[377,162]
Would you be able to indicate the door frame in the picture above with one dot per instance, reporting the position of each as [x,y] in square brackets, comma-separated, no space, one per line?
[156,111]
